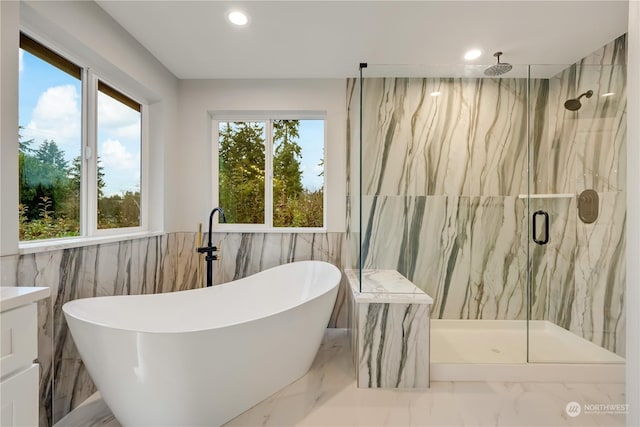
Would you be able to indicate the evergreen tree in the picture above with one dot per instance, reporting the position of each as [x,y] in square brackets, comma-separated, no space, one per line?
[241,171]
[286,163]
[44,176]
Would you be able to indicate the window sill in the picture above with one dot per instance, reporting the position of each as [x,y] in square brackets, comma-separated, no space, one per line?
[25,248]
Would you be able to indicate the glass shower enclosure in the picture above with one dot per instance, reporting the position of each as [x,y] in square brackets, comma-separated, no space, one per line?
[501,198]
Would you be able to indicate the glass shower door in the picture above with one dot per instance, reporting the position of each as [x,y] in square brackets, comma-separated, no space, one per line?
[576,211]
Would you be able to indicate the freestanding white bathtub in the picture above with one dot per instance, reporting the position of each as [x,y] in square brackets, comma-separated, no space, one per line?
[201,357]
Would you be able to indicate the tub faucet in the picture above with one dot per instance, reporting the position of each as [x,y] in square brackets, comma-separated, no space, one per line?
[210,249]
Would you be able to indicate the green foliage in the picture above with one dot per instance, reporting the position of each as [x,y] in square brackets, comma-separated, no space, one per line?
[49,199]
[241,173]
[119,210]
[46,226]
[304,210]
[50,195]
[286,163]
[242,176]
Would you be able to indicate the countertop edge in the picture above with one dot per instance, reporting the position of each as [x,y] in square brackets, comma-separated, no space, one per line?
[15,296]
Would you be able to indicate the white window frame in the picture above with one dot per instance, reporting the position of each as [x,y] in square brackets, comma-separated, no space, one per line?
[89,232]
[267,117]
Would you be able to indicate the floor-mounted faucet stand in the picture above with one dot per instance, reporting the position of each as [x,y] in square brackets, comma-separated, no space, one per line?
[210,249]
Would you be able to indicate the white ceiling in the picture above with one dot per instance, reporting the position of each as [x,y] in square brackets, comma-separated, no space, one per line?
[328,39]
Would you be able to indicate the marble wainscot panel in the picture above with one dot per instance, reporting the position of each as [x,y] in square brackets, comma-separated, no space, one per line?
[390,331]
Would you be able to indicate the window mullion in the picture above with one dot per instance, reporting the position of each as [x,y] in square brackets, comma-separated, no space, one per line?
[90,151]
[268,181]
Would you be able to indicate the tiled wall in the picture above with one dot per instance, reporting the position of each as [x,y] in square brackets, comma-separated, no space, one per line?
[163,263]
[443,180]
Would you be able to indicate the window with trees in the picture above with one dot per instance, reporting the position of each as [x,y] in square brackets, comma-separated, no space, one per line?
[271,172]
[79,149]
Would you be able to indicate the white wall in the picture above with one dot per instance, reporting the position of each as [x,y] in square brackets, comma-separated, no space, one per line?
[189,175]
[9,39]
[89,36]
[633,215]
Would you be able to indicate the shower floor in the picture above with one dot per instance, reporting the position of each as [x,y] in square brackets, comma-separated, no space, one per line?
[478,349]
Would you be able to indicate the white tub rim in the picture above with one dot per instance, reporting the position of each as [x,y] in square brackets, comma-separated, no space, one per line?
[69,306]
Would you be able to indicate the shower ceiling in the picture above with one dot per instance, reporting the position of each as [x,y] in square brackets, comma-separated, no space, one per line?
[327,39]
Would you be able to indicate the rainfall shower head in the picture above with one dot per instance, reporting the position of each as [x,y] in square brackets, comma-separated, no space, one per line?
[499,68]
[575,104]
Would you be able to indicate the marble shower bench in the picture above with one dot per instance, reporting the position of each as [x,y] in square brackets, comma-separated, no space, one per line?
[389,330]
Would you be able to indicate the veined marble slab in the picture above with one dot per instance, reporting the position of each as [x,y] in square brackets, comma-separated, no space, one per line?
[385,286]
[389,328]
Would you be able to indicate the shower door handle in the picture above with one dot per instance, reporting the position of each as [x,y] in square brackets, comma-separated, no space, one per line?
[545,215]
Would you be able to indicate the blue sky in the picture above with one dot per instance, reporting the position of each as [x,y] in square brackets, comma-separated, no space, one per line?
[312,143]
[50,108]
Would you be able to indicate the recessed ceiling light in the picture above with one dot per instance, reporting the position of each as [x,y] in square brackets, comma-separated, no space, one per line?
[436,93]
[237,18]
[608,94]
[472,54]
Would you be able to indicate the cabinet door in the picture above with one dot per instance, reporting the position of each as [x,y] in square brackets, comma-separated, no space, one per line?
[19,398]
[19,342]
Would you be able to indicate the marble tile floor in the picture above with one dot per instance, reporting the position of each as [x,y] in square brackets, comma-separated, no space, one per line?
[327,396]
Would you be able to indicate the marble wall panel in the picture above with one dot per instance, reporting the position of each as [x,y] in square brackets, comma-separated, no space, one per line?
[598,310]
[393,340]
[470,140]
[426,239]
[587,150]
[466,252]
[587,147]
[497,274]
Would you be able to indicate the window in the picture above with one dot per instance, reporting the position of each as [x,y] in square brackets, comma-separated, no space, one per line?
[119,146]
[270,172]
[79,140]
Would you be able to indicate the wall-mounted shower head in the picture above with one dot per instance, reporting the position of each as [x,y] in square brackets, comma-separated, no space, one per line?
[499,68]
[575,104]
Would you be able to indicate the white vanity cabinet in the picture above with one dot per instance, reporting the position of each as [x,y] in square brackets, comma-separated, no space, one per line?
[19,374]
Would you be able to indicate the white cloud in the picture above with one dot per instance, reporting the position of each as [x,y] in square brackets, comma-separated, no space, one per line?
[57,117]
[20,60]
[121,167]
[114,115]
[116,156]
[131,132]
